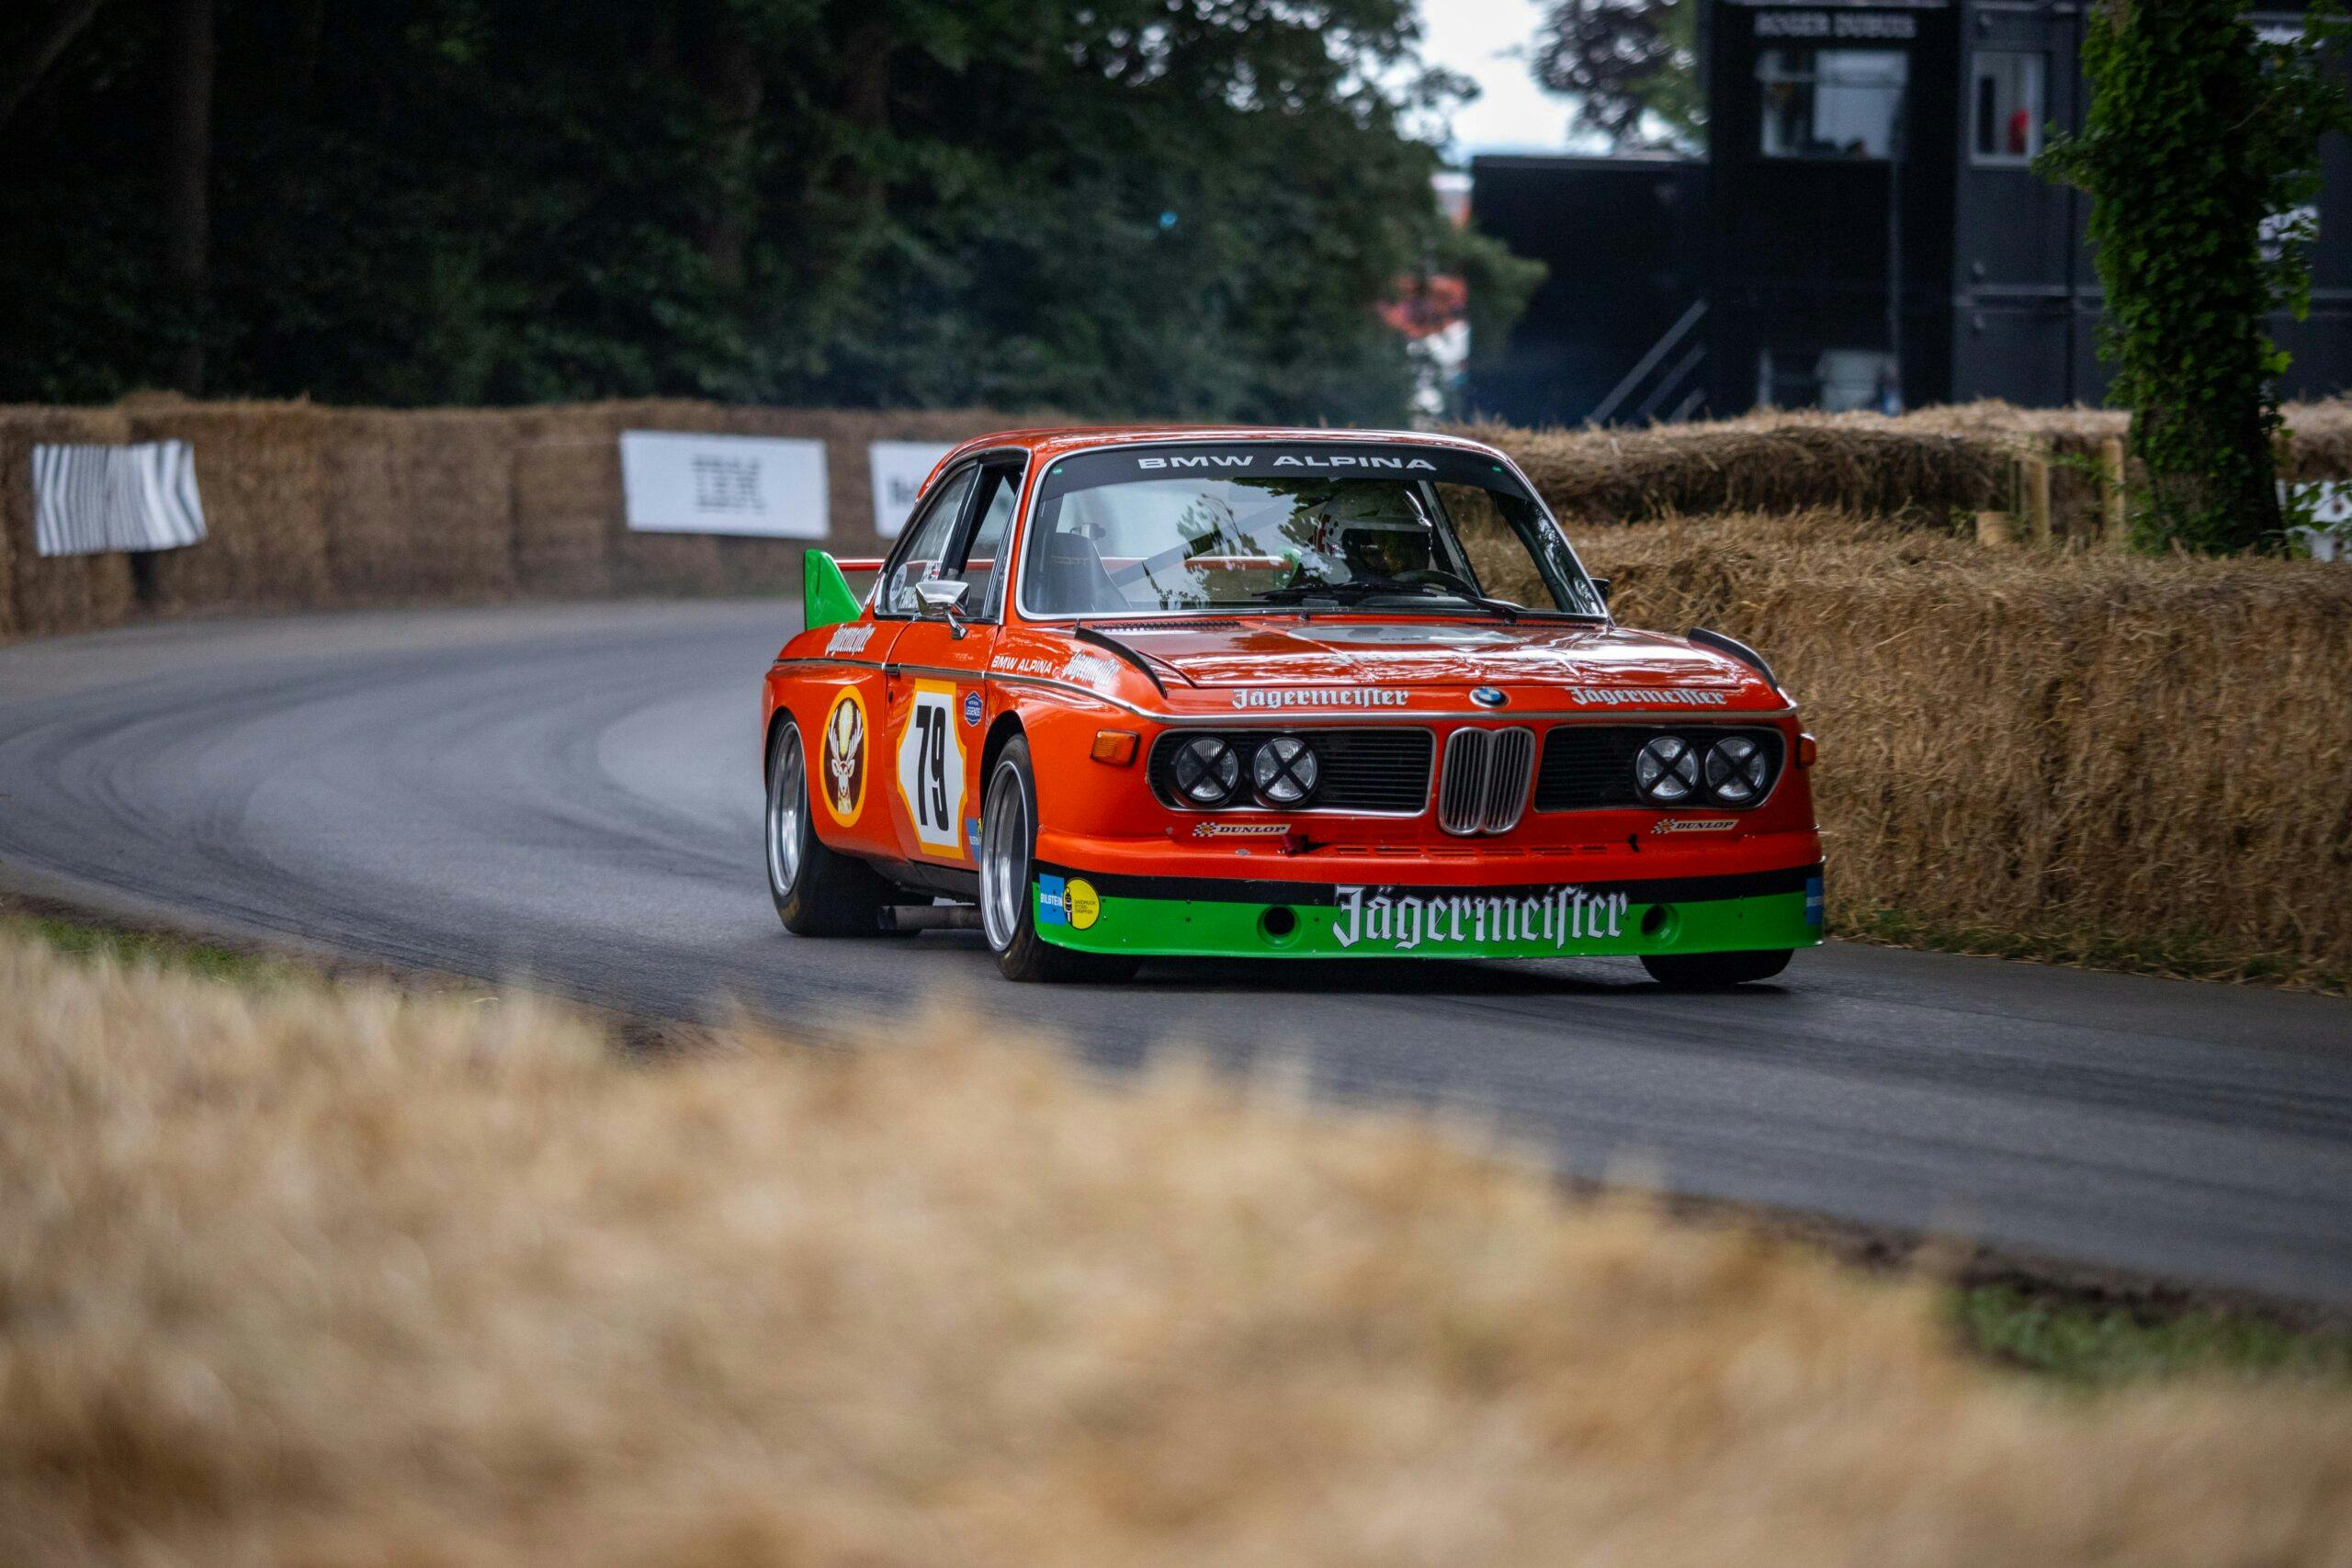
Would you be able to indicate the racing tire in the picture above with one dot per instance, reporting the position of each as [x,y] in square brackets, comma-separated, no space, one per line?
[817,891]
[1715,971]
[1008,870]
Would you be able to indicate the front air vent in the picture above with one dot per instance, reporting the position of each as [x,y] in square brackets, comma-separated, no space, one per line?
[1484,787]
[1163,625]
[1380,772]
[1590,767]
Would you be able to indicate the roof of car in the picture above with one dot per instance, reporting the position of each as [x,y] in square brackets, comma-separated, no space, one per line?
[1054,441]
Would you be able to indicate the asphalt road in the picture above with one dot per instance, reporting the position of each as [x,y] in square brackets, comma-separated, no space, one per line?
[570,794]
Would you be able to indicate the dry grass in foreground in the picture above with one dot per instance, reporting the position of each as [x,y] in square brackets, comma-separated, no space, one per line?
[337,1277]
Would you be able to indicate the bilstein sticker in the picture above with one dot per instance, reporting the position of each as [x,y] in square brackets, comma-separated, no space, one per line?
[1068,903]
[1403,920]
[843,784]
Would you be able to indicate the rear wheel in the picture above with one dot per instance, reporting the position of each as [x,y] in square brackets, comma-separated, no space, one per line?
[817,891]
[1008,870]
[1712,970]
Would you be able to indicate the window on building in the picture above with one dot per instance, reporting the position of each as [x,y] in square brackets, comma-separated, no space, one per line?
[2009,109]
[1832,102]
[1836,379]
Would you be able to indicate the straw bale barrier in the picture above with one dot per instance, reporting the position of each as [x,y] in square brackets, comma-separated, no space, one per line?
[261,470]
[1923,467]
[421,505]
[2075,753]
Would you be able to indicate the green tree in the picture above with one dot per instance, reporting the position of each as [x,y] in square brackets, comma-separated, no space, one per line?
[2198,134]
[1137,205]
[1631,66]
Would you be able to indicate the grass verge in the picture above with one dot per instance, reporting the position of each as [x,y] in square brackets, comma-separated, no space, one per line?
[2102,1347]
[342,1274]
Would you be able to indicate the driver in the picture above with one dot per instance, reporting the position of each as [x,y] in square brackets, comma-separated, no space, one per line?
[1372,540]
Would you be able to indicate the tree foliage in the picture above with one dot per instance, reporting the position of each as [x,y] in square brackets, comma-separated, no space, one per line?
[2199,136]
[1633,66]
[1183,207]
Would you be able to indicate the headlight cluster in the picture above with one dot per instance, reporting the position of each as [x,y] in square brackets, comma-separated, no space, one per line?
[1672,771]
[1207,771]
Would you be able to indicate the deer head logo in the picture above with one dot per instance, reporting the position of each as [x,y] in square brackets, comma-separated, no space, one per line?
[846,755]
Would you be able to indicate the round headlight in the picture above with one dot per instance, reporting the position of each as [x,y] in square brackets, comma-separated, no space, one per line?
[1285,770]
[1735,770]
[1206,770]
[1667,769]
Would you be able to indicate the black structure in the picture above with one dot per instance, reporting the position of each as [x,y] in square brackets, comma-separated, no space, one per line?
[1867,231]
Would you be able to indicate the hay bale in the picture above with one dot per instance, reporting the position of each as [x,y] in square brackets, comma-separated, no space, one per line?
[1766,463]
[2319,444]
[2080,750]
[260,470]
[421,505]
[50,596]
[567,500]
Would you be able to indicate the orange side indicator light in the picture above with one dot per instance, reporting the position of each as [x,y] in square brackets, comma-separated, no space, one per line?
[1116,747]
[1807,750]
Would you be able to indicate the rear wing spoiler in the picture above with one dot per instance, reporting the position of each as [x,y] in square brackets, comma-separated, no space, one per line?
[826,598]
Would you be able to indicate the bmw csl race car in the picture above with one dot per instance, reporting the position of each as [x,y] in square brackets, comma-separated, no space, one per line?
[1147,693]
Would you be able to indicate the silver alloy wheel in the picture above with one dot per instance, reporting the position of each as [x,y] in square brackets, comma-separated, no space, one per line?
[1004,858]
[788,803]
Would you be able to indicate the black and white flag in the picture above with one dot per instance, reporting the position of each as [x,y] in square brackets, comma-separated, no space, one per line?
[91,500]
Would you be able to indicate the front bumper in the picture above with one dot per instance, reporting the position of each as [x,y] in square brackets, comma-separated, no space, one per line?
[1233,917]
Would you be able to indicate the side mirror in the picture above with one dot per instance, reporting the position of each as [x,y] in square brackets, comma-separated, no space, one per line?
[942,599]
[1601,586]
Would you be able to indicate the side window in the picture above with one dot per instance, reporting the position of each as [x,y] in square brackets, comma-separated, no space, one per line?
[2009,106]
[1832,102]
[923,553]
[983,558]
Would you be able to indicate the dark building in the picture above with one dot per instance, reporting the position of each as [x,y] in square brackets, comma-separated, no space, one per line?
[1866,231]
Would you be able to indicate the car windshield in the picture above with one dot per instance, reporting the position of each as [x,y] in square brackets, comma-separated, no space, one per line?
[1312,526]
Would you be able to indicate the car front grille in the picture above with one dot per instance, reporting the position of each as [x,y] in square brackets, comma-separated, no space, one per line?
[1485,786]
[1382,770]
[1590,766]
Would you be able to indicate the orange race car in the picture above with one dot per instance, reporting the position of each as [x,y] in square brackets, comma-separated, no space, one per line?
[1140,692]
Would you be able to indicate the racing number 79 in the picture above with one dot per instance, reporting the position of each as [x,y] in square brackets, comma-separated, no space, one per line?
[931,767]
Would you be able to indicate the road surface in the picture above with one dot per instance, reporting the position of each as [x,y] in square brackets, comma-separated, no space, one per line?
[569,794]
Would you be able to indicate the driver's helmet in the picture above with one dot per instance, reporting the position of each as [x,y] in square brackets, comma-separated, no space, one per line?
[1376,537]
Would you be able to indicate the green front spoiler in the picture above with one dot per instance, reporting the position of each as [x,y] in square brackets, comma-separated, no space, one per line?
[1271,920]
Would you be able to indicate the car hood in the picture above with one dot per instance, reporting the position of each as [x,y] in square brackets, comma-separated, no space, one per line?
[1285,651]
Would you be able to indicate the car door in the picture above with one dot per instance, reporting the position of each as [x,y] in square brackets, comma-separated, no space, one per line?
[936,701]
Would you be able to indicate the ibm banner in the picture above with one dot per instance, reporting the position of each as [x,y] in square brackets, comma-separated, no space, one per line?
[898,470]
[91,500]
[724,484]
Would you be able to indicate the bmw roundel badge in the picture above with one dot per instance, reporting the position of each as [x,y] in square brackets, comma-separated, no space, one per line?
[1489,698]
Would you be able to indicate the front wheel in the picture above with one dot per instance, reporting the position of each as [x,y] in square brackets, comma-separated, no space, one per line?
[818,891]
[1713,971]
[1008,870]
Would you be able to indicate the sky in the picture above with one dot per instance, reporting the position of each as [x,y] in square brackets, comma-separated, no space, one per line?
[1488,40]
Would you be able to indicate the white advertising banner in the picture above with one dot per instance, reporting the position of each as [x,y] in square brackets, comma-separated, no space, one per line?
[723,484]
[91,499]
[900,468]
